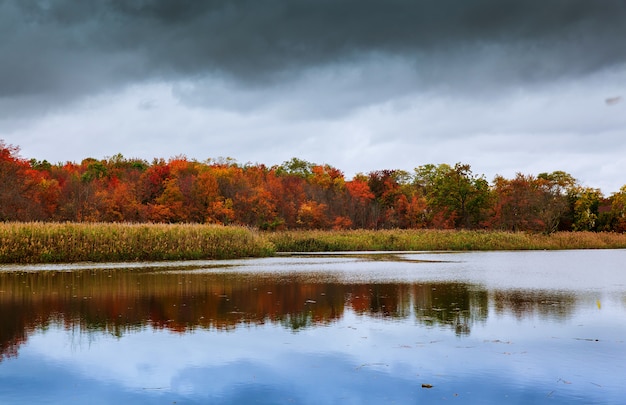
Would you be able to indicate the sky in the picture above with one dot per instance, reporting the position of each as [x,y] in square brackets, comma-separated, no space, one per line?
[505,86]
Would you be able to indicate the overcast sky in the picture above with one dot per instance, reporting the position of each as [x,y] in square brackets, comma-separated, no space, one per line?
[505,86]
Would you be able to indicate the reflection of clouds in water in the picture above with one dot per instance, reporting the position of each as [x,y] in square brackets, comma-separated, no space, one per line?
[155,359]
[404,332]
[159,359]
[358,357]
[581,270]
[450,290]
[577,271]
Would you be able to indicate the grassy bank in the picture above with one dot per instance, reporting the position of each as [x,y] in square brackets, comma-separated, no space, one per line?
[105,242]
[99,242]
[416,240]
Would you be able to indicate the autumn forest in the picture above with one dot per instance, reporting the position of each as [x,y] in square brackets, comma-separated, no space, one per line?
[298,195]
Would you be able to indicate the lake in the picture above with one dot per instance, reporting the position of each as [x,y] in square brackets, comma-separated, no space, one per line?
[357,328]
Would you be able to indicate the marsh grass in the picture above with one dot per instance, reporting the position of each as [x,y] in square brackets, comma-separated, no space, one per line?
[107,242]
[429,240]
[98,242]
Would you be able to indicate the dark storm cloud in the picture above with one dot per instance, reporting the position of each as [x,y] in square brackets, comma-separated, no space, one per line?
[68,48]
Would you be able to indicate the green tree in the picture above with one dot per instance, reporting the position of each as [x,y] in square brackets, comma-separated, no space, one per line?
[586,205]
[295,167]
[555,209]
[456,196]
[618,210]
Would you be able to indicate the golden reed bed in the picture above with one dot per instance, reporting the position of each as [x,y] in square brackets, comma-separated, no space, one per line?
[104,242]
[114,242]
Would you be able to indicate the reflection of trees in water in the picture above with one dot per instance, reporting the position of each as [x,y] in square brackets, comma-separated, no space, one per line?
[455,305]
[379,300]
[124,300]
[525,303]
[13,328]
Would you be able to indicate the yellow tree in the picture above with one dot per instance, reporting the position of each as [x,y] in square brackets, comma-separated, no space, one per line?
[586,204]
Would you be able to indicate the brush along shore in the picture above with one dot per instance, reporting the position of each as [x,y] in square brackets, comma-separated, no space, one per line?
[113,242]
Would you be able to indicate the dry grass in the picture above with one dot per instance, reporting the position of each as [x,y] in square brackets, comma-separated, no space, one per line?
[428,240]
[98,242]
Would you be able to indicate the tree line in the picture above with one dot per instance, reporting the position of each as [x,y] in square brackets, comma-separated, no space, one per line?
[298,195]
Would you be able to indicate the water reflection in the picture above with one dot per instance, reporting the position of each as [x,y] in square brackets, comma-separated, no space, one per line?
[490,327]
[546,305]
[119,301]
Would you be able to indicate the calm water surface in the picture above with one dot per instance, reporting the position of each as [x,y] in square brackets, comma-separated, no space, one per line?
[495,327]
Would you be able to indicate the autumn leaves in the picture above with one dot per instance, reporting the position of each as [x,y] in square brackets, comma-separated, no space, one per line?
[298,195]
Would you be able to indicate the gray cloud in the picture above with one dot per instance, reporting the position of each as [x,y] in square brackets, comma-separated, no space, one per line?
[76,48]
[506,86]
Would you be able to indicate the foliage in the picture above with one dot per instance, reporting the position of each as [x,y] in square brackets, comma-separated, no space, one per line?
[457,197]
[298,195]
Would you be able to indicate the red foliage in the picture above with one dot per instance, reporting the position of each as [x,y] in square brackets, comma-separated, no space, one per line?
[295,195]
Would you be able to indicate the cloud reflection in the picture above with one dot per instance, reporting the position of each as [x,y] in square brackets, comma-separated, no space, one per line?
[360,331]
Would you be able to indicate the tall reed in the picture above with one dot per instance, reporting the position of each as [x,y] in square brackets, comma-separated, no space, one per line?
[416,240]
[97,242]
